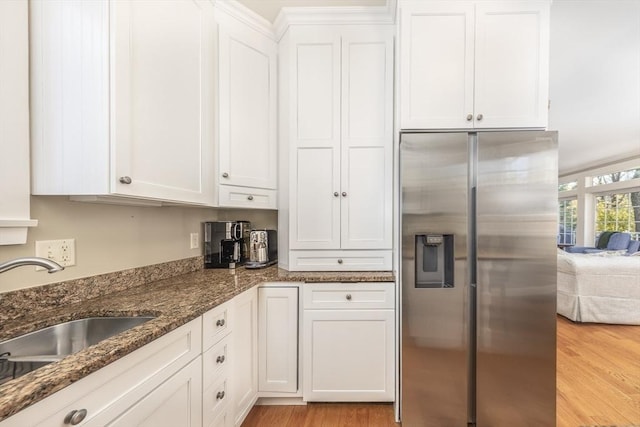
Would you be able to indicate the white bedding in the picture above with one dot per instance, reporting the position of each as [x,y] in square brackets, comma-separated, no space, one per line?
[602,289]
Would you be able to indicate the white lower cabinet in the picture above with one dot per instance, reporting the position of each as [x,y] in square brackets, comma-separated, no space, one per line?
[175,402]
[216,376]
[278,339]
[244,387]
[348,342]
[210,371]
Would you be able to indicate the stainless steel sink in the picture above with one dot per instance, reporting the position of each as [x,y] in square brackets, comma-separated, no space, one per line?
[33,350]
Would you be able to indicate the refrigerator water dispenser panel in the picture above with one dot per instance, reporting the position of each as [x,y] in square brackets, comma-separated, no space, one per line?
[434,261]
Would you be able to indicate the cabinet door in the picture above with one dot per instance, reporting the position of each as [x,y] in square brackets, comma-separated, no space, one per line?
[366,190]
[247,107]
[436,64]
[348,355]
[315,138]
[162,97]
[512,64]
[176,402]
[278,339]
[245,353]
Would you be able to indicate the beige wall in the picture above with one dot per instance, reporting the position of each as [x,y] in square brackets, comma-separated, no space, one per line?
[111,238]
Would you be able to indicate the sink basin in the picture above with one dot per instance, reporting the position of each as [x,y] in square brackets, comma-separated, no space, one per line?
[30,351]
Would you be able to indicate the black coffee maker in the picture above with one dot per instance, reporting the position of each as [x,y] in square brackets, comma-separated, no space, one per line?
[226,243]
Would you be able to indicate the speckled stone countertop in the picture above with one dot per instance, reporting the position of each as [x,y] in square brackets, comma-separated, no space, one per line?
[173,300]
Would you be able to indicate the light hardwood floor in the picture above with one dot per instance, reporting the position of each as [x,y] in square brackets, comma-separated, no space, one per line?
[598,384]
[598,378]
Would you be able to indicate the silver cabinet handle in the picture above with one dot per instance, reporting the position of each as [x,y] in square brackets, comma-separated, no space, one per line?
[469,117]
[249,197]
[344,194]
[125,180]
[220,322]
[220,359]
[336,194]
[348,297]
[225,175]
[75,417]
[479,117]
[220,395]
[340,261]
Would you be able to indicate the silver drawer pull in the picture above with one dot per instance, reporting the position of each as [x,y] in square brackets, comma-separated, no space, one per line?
[340,261]
[249,197]
[220,322]
[220,359]
[225,175]
[348,297]
[220,395]
[125,180]
[75,417]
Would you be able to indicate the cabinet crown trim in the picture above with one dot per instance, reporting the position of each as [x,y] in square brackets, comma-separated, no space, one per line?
[247,16]
[342,15]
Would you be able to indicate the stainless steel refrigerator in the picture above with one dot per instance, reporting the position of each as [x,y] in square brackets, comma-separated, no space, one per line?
[479,225]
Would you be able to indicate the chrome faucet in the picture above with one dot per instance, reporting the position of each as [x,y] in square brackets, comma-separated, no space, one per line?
[51,266]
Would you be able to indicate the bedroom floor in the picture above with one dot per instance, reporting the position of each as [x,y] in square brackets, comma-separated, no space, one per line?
[598,383]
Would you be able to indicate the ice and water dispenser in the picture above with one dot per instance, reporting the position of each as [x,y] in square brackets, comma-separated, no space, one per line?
[434,260]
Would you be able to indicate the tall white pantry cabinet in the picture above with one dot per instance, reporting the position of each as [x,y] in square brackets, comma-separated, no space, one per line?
[336,136]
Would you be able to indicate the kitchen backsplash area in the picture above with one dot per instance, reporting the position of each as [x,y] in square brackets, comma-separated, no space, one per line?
[111,238]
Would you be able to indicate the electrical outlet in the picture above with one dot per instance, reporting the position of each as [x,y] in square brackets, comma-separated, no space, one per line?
[61,251]
[195,240]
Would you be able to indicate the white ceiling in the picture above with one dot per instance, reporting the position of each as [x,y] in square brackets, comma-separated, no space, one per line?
[269,9]
[594,75]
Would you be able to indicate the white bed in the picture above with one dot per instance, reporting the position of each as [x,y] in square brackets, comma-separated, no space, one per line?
[599,288]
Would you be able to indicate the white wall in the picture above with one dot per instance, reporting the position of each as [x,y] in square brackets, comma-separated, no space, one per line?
[111,238]
[595,81]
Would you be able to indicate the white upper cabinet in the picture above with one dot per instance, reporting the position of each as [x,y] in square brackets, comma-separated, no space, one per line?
[14,123]
[123,99]
[366,168]
[474,64]
[247,114]
[337,132]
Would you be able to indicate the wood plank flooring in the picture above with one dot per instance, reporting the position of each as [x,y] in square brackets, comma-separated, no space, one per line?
[322,415]
[598,384]
[598,380]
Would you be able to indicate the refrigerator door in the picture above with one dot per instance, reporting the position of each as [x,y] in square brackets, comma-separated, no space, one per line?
[435,318]
[516,249]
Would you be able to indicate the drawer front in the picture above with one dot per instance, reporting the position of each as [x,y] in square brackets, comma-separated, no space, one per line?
[216,324]
[215,361]
[244,197]
[348,295]
[340,260]
[215,400]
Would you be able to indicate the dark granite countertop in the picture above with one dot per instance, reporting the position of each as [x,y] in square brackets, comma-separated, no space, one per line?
[174,301]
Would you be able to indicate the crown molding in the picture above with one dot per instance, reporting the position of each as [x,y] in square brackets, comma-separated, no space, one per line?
[334,15]
[245,15]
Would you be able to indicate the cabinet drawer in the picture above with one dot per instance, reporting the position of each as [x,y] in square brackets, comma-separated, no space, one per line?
[244,197]
[216,324]
[348,295]
[215,361]
[340,260]
[215,400]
